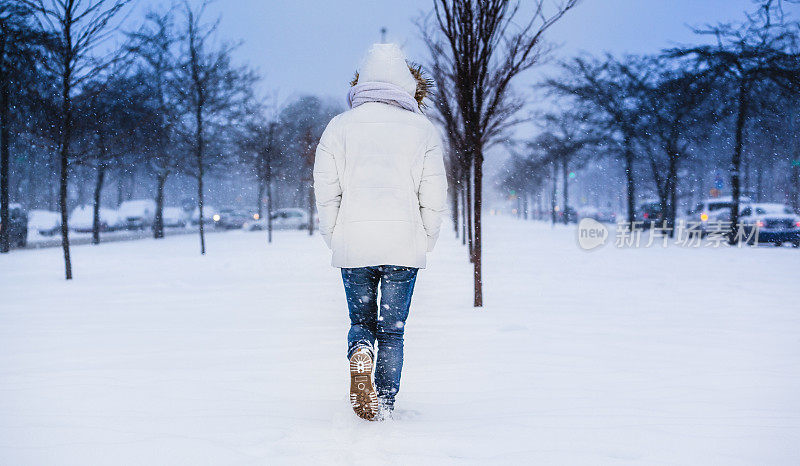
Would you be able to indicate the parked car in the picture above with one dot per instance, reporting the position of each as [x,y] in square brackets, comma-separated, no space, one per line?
[713,209]
[290,218]
[776,223]
[138,214]
[45,222]
[210,216]
[233,218]
[649,212]
[82,219]
[18,225]
[174,217]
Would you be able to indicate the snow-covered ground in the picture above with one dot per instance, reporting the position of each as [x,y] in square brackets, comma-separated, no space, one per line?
[155,355]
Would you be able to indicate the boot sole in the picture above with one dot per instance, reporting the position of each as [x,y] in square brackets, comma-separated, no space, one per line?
[363,398]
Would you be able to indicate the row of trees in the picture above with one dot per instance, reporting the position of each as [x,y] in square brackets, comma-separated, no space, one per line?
[169,103]
[477,48]
[671,119]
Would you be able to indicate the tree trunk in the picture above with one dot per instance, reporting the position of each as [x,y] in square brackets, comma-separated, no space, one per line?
[52,191]
[553,195]
[736,161]
[673,204]
[259,204]
[477,246]
[66,135]
[32,182]
[199,157]
[470,212]
[796,183]
[454,208]
[130,193]
[201,218]
[667,187]
[5,158]
[80,186]
[525,205]
[565,191]
[631,194]
[158,221]
[746,173]
[464,214]
[120,188]
[269,188]
[759,180]
[98,190]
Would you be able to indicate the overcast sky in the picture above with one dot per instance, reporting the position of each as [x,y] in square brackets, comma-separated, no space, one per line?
[304,46]
[313,47]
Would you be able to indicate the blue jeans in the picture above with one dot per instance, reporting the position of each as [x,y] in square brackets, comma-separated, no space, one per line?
[369,323]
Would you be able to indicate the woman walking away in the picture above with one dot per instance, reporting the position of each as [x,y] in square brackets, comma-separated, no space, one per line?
[380,185]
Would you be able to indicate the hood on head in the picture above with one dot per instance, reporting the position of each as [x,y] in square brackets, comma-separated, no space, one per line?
[422,84]
[386,63]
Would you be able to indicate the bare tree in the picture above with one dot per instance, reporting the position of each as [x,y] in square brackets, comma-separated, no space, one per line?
[213,91]
[79,27]
[309,149]
[612,88]
[527,174]
[565,136]
[456,160]
[674,119]
[154,44]
[112,120]
[481,46]
[258,150]
[300,125]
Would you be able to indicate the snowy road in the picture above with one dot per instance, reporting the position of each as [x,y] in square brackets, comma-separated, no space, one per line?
[155,355]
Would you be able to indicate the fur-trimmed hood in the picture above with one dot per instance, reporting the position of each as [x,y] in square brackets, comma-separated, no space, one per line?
[387,63]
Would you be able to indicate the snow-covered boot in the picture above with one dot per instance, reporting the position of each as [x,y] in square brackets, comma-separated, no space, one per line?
[362,393]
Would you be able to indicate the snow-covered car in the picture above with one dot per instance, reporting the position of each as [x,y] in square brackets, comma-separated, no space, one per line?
[45,222]
[82,219]
[174,217]
[138,214]
[18,225]
[713,209]
[233,218]
[776,223]
[722,215]
[290,218]
[210,215]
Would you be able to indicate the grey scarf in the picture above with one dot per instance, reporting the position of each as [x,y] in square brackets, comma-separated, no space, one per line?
[373,91]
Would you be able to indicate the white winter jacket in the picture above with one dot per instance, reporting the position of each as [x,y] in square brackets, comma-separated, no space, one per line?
[380,186]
